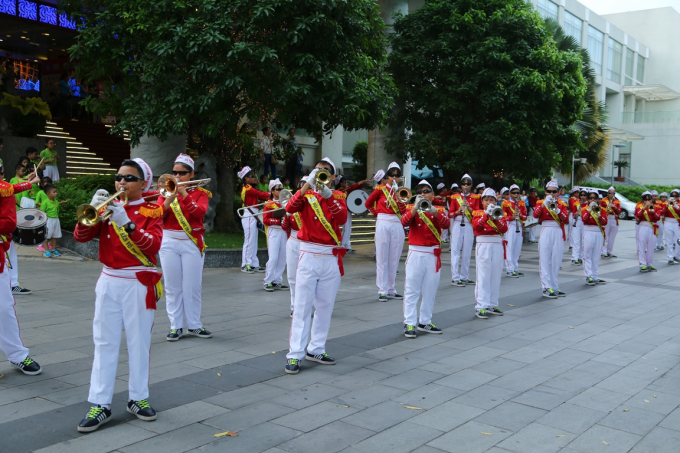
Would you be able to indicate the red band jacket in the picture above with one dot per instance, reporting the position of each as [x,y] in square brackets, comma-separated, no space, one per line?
[268,211]
[474,202]
[653,212]
[334,209]
[250,196]
[481,227]
[8,210]
[668,212]
[588,219]
[542,213]
[510,207]
[377,202]
[419,233]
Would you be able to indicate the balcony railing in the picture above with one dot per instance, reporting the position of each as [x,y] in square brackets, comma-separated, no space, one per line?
[651,117]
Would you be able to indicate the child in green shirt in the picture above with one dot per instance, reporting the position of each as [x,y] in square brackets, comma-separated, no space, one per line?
[50,206]
[50,160]
[19,177]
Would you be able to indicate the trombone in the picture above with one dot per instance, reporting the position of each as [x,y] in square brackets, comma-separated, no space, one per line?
[404,194]
[88,215]
[168,184]
[284,198]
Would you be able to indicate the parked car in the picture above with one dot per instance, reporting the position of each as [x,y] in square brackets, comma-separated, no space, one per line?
[627,206]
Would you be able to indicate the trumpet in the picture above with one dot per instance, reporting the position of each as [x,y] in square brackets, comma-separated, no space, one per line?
[424,205]
[88,215]
[465,207]
[404,194]
[552,206]
[594,207]
[168,184]
[321,178]
[284,198]
[497,212]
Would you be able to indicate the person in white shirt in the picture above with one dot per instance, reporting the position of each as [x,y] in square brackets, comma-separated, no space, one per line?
[266,147]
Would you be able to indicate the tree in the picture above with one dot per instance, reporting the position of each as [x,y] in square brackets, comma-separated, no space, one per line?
[360,159]
[594,133]
[620,165]
[482,88]
[204,67]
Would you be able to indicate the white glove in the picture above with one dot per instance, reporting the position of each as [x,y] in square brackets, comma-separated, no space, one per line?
[395,186]
[490,208]
[549,199]
[100,196]
[417,201]
[326,192]
[312,176]
[119,216]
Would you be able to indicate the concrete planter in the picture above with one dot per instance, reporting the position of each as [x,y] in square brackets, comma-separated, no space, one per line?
[214,258]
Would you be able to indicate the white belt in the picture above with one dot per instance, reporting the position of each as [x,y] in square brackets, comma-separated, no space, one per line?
[274,227]
[594,228]
[175,234]
[293,234]
[389,217]
[489,239]
[611,216]
[646,224]
[126,272]
[422,248]
[550,224]
[316,249]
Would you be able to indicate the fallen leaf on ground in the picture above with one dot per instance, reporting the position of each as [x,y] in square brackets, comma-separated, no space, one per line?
[344,405]
[606,443]
[487,434]
[654,396]
[626,410]
[656,369]
[414,408]
[561,435]
[510,305]
[226,433]
[219,374]
[570,327]
[2,376]
[273,352]
[646,401]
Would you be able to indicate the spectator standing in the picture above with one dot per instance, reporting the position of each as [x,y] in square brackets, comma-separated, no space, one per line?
[63,89]
[266,148]
[50,205]
[50,160]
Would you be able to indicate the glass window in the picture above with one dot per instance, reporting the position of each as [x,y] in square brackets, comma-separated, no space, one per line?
[640,76]
[573,26]
[630,60]
[614,61]
[595,48]
[547,8]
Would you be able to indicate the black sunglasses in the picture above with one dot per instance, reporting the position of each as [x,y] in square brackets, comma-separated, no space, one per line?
[550,191]
[514,193]
[394,175]
[424,191]
[180,173]
[465,183]
[277,189]
[128,178]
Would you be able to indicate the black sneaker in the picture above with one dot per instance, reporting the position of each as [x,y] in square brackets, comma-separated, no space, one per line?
[514,274]
[351,251]
[382,297]
[482,314]
[269,287]
[458,283]
[606,255]
[323,359]
[574,262]
[644,268]
[395,296]
[259,269]
[495,311]
[429,328]
[96,417]
[550,294]
[28,366]
[561,294]
[613,256]
[469,282]
[590,281]
[174,335]
[409,331]
[599,281]
[293,366]
[247,269]
[20,291]
[291,314]
[201,332]
[281,287]
[142,410]
[671,262]
[652,269]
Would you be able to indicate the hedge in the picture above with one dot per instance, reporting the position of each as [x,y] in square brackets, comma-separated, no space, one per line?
[77,191]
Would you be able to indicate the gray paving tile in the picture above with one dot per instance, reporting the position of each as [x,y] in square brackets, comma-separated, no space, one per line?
[571,418]
[599,399]
[181,416]
[661,403]
[537,438]
[470,438]
[26,408]
[542,397]
[397,364]
[381,416]
[15,439]
[308,396]
[447,416]
[622,383]
[357,379]
[246,395]
[253,439]
[113,438]
[368,396]
[331,438]
[635,420]
[313,417]
[251,415]
[593,441]
[230,377]
[175,441]
[486,397]
[658,440]
[520,380]
[411,379]
[428,396]
[466,379]
[510,416]
[498,366]
[404,437]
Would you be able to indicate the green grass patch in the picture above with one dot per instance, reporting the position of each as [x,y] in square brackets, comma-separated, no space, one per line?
[231,240]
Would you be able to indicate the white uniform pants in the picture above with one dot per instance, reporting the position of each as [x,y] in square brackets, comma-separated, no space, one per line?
[570,231]
[659,237]
[611,229]
[389,243]
[249,252]
[276,247]
[514,248]
[14,262]
[316,285]
[120,304]
[550,251]
[577,235]
[461,238]
[347,232]
[292,255]
[645,244]
[671,236]
[445,234]
[10,335]
[489,263]
[422,279]
[532,231]
[592,247]
[182,279]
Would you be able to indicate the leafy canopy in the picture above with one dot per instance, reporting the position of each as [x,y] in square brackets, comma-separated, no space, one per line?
[483,88]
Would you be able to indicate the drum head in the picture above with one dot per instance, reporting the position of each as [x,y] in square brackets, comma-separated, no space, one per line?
[30,218]
[356,202]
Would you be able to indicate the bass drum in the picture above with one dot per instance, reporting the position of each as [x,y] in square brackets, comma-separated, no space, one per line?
[356,202]
[31,226]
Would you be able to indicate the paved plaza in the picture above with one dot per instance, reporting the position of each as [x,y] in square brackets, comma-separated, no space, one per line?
[597,371]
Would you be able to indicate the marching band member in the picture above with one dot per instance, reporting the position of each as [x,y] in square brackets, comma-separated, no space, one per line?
[647,214]
[423,263]
[594,218]
[672,233]
[182,252]
[533,199]
[389,233]
[462,235]
[551,242]
[442,199]
[577,227]
[276,239]
[317,280]
[505,194]
[10,334]
[573,198]
[516,212]
[480,188]
[612,206]
[292,224]
[127,291]
[250,196]
[488,255]
[341,185]
[661,204]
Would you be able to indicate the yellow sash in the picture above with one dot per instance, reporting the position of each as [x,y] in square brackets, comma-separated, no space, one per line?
[650,222]
[9,263]
[316,207]
[184,223]
[298,220]
[467,213]
[510,204]
[493,225]
[390,200]
[554,216]
[431,226]
[597,221]
[672,210]
[132,248]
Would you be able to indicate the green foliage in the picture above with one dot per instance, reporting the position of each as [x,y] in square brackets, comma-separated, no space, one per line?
[231,240]
[621,164]
[360,158]
[204,66]
[27,116]
[78,191]
[483,89]
[27,105]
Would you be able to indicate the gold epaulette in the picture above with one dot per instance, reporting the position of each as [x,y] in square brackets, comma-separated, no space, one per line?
[339,195]
[380,186]
[475,195]
[206,191]
[506,204]
[409,207]
[521,203]
[455,195]
[639,205]
[539,202]
[271,205]
[151,210]
[6,189]
[440,208]
[477,213]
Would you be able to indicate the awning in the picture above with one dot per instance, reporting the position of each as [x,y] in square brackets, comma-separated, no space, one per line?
[619,135]
[651,92]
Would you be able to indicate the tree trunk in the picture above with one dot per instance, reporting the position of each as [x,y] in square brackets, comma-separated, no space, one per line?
[224,218]
[619,169]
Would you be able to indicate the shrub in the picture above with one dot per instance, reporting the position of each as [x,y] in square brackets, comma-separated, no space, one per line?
[27,116]
[79,191]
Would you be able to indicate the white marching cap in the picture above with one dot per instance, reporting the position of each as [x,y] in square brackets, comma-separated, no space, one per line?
[379,175]
[440,186]
[244,171]
[489,192]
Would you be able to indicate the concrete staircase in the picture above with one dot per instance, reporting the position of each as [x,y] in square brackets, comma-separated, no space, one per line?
[363,228]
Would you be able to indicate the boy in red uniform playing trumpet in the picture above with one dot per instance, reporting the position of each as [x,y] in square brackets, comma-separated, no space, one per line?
[594,223]
[423,263]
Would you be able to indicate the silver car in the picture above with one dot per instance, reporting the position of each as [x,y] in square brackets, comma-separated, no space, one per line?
[627,206]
